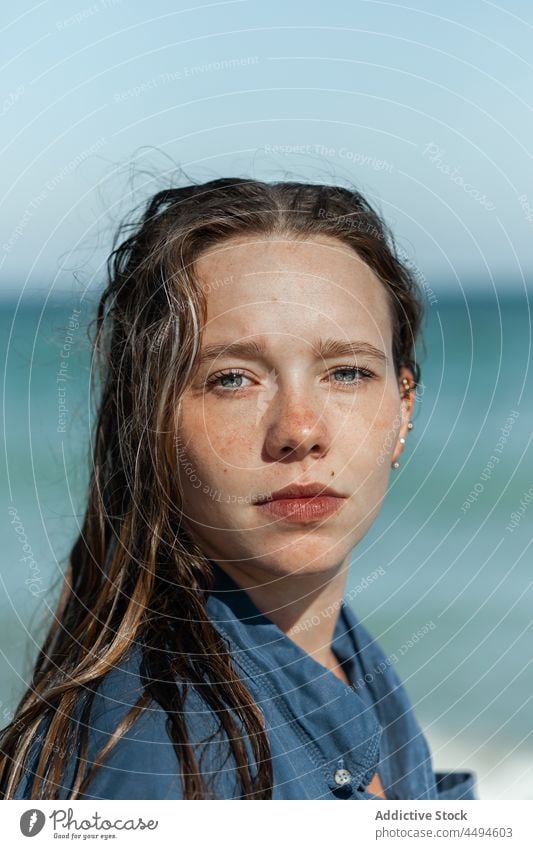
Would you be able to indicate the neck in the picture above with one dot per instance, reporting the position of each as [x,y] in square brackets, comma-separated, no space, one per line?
[304,606]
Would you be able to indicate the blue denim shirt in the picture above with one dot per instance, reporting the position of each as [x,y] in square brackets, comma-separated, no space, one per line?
[327,739]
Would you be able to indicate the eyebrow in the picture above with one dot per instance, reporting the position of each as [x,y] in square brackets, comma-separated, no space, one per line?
[322,349]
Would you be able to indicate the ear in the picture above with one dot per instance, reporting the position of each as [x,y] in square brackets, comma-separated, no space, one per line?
[407,394]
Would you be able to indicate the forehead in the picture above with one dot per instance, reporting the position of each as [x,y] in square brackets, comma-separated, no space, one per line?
[257,284]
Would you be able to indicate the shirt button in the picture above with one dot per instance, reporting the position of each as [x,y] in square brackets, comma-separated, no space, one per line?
[342,776]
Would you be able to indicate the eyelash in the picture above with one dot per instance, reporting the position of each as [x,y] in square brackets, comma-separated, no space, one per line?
[213,380]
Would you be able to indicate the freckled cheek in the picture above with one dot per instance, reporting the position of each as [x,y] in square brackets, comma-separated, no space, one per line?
[233,446]
[216,445]
[372,434]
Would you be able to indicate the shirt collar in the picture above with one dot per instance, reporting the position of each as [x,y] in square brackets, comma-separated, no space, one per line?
[331,715]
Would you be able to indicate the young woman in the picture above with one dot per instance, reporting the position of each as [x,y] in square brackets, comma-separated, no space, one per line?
[256,351]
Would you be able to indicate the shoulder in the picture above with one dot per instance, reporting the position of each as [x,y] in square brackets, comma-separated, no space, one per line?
[143,762]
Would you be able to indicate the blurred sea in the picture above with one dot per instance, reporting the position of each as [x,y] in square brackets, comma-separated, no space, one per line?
[452,603]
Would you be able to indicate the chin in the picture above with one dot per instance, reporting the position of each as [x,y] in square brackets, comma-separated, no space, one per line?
[304,556]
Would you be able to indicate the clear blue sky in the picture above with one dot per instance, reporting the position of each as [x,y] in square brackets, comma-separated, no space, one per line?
[426,107]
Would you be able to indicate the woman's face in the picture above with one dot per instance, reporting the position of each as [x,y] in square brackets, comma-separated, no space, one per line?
[288,414]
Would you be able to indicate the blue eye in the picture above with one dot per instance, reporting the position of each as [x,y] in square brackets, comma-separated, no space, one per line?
[222,380]
[226,375]
[365,373]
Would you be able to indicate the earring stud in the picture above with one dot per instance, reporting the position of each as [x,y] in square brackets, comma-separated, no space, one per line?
[410,425]
[407,388]
[396,464]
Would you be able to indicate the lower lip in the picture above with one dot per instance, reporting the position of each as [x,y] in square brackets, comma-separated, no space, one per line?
[303,509]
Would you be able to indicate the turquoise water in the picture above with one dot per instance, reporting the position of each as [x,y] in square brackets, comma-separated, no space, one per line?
[460,576]
[451,552]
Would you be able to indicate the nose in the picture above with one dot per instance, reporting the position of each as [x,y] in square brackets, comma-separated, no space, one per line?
[295,428]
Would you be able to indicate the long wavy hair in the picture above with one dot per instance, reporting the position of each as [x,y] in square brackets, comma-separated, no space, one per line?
[135,576]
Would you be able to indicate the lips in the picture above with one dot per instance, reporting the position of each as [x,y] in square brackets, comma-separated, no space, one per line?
[310,490]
